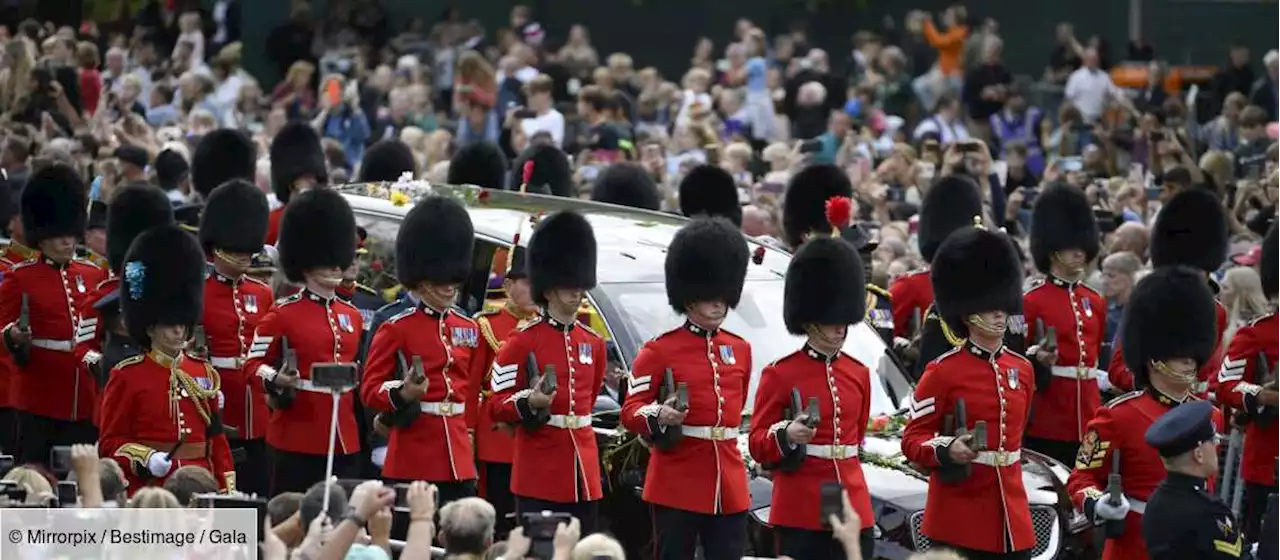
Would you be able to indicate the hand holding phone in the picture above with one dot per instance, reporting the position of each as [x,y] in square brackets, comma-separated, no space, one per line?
[831,502]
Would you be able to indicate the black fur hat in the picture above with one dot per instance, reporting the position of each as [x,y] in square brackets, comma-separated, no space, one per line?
[951,203]
[435,243]
[1191,230]
[479,163]
[824,286]
[626,184]
[223,155]
[295,152]
[317,230]
[97,215]
[1170,314]
[163,281]
[552,173]
[387,160]
[975,271]
[519,264]
[707,261]
[1267,264]
[235,218]
[562,254]
[133,210]
[804,205]
[710,190]
[1062,220]
[53,204]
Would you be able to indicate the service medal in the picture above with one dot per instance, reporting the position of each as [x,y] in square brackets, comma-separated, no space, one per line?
[726,355]
[584,353]
[251,303]
[80,284]
[345,321]
[1012,374]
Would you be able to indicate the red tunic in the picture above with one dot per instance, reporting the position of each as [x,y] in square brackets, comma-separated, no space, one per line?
[908,293]
[992,501]
[494,442]
[1239,383]
[556,462]
[1079,315]
[444,341]
[233,307]
[273,225]
[833,453]
[704,471]
[1122,424]
[1122,379]
[7,368]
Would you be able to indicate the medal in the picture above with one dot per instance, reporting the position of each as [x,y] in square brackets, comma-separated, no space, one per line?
[726,355]
[1017,324]
[1088,309]
[251,303]
[80,284]
[345,322]
[1012,374]
[584,354]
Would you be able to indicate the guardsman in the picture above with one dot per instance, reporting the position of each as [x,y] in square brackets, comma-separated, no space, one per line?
[1191,230]
[317,242]
[222,155]
[1064,240]
[710,190]
[427,406]
[696,482]
[297,166]
[8,423]
[161,409]
[557,465]
[95,236]
[1248,384]
[232,230]
[626,184]
[552,172]
[1168,331]
[977,283]
[481,164]
[386,161]
[1185,520]
[879,302]
[823,298]
[54,397]
[804,206]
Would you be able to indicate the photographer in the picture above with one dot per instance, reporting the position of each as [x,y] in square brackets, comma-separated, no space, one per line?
[341,118]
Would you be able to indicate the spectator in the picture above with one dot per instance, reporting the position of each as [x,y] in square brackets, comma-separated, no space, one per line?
[291,42]
[189,481]
[466,527]
[399,115]
[598,547]
[1223,132]
[1130,237]
[152,497]
[13,160]
[1235,77]
[90,78]
[1089,88]
[577,54]
[946,77]
[1154,94]
[1066,55]
[294,93]
[191,34]
[1119,276]
[283,506]
[946,123]
[114,485]
[544,117]
[39,490]
[986,87]
[133,163]
[1243,298]
[1264,93]
[173,174]
[1251,152]
[344,122]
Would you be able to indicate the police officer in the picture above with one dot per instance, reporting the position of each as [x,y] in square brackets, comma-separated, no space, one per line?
[824,297]
[160,410]
[977,282]
[557,465]
[429,439]
[712,191]
[1168,331]
[297,165]
[1184,519]
[696,482]
[626,184]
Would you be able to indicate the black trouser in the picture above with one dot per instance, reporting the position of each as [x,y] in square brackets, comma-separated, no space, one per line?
[970,554]
[820,545]
[9,431]
[38,434]
[296,472]
[586,512]
[251,470]
[497,491]
[677,532]
[1254,508]
[1063,451]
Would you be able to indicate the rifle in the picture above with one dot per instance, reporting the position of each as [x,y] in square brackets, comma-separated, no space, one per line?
[281,398]
[1267,379]
[917,322]
[1115,489]
[22,353]
[24,314]
[199,342]
[792,461]
[403,417]
[540,415]
[667,439]
[957,473]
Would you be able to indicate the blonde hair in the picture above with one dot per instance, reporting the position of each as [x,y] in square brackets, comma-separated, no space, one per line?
[619,61]
[37,486]
[154,497]
[739,151]
[297,69]
[695,74]
[776,152]
[1246,299]
[1219,164]
[596,546]
[21,61]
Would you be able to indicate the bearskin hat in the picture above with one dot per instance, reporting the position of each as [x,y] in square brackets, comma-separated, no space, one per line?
[53,204]
[1267,264]
[1170,314]
[235,218]
[518,266]
[951,203]
[824,286]
[295,152]
[223,155]
[975,271]
[626,184]
[1191,230]
[479,163]
[562,254]
[97,215]
[163,281]
[707,261]
[710,190]
[804,205]
[1061,220]
[133,210]
[435,243]
[317,230]
[387,160]
[551,171]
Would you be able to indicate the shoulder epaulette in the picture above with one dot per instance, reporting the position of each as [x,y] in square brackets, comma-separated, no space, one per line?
[370,291]
[1124,398]
[532,321]
[131,360]
[456,312]
[1092,290]
[915,271]
[486,330]
[286,300]
[877,290]
[1019,356]
[793,354]
[487,312]
[954,351]
[86,262]
[253,280]
[401,315]
[1033,285]
[733,334]
[1260,319]
[588,329]
[25,263]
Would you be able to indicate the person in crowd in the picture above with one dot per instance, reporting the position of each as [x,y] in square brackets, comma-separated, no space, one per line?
[467,527]
[949,44]
[986,87]
[1251,152]
[188,481]
[1264,91]
[947,122]
[1235,77]
[1090,89]
[543,116]
[1119,276]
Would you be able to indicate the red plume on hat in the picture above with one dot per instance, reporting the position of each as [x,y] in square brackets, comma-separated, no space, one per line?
[839,211]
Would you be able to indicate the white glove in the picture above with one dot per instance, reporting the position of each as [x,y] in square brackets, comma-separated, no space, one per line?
[159,464]
[1102,509]
[1104,380]
[222,400]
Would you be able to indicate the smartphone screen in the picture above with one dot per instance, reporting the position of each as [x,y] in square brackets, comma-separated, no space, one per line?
[68,493]
[60,459]
[831,501]
[333,91]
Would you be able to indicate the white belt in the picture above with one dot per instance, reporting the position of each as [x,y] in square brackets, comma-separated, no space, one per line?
[1073,372]
[442,408]
[569,421]
[55,345]
[713,433]
[1137,506]
[226,362]
[308,386]
[831,451]
[998,458]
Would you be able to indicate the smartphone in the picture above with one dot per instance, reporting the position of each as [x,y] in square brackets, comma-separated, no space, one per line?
[60,459]
[682,395]
[221,501]
[68,493]
[811,146]
[1153,193]
[968,147]
[540,529]
[402,495]
[526,114]
[333,376]
[333,91]
[1157,136]
[831,502]
[1072,164]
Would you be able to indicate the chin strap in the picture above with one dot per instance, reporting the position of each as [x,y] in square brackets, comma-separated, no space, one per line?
[1177,376]
[976,321]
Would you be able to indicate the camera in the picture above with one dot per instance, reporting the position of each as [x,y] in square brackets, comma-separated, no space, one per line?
[540,528]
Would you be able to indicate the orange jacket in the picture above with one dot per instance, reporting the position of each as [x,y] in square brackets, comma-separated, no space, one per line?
[950,45]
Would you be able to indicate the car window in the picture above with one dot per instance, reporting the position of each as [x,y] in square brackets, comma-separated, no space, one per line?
[483,277]
[378,264]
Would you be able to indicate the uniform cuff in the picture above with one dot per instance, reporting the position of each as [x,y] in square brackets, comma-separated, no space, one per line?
[398,402]
[522,407]
[138,455]
[1089,504]
[1249,397]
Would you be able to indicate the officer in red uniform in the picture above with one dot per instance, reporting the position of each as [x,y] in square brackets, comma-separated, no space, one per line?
[823,297]
[1168,331]
[805,203]
[429,439]
[54,397]
[222,155]
[1243,386]
[1064,240]
[317,242]
[160,410]
[1191,230]
[557,465]
[711,191]
[696,482]
[977,282]
[11,253]
[94,249]
[232,230]
[297,165]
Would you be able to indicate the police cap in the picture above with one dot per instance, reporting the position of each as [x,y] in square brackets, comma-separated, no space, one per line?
[1182,429]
